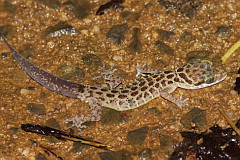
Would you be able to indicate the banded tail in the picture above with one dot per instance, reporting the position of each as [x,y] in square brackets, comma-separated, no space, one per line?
[56,84]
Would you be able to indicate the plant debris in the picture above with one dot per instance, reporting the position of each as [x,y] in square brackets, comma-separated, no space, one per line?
[61,135]
[217,143]
[112,3]
[237,83]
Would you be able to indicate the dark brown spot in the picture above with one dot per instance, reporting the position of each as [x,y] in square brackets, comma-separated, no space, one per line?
[101,98]
[104,89]
[150,83]
[134,93]
[142,83]
[134,88]
[183,76]
[92,87]
[134,83]
[163,83]
[180,69]
[144,88]
[146,94]
[139,97]
[157,85]
[187,70]
[170,76]
[188,66]
[176,79]
[160,78]
[122,96]
[110,95]
[152,90]
[167,72]
[170,82]
[114,91]
[199,83]
[149,78]
[155,76]
[100,93]
[124,91]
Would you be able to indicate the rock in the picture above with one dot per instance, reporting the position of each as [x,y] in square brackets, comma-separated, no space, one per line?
[186,36]
[197,55]
[130,16]
[62,28]
[117,32]
[196,118]
[155,111]
[118,155]
[53,123]
[68,72]
[91,59]
[163,48]
[166,144]
[80,9]
[135,46]
[186,7]
[111,117]
[78,147]
[9,7]
[165,35]
[223,30]
[37,109]
[137,137]
[145,154]
[41,156]
[54,4]
[6,30]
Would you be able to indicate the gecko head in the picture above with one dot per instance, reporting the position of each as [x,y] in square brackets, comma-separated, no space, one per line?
[199,74]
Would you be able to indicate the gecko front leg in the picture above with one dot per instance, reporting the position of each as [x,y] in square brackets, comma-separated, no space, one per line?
[166,93]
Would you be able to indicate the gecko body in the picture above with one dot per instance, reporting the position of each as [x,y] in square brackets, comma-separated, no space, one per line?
[150,85]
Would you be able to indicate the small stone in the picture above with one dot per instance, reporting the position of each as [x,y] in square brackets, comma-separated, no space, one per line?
[118,155]
[80,9]
[223,30]
[62,28]
[166,144]
[145,154]
[24,91]
[68,72]
[9,7]
[165,35]
[4,56]
[37,109]
[155,111]
[137,137]
[110,117]
[163,48]
[41,156]
[195,118]
[54,4]
[130,16]
[135,46]
[117,32]
[12,130]
[78,147]
[196,55]
[91,59]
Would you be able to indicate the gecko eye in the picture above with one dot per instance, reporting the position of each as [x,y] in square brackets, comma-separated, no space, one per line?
[209,80]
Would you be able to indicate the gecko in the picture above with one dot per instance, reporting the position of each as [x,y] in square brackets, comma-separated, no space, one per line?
[151,84]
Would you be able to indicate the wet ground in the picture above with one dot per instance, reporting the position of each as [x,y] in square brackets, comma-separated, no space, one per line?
[68,39]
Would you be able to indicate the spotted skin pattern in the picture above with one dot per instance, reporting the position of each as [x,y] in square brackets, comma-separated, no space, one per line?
[150,85]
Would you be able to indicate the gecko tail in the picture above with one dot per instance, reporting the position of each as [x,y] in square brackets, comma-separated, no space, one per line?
[56,84]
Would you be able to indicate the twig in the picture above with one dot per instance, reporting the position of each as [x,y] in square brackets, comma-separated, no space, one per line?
[230,51]
[230,122]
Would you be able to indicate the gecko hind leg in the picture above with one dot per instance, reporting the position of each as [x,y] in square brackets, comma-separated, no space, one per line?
[78,120]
